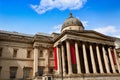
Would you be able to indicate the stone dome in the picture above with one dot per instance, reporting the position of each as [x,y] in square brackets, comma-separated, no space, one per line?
[72,24]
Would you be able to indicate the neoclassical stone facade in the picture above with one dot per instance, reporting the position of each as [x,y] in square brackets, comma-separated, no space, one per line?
[74,53]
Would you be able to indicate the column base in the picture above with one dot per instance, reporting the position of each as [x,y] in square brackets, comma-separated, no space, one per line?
[70,74]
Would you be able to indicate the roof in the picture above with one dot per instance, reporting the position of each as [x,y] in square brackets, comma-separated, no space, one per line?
[71,21]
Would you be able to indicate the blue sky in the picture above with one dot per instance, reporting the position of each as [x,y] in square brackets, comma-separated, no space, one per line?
[47,16]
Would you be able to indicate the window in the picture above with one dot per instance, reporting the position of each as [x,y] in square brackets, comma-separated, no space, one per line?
[0,70]
[51,54]
[27,71]
[0,52]
[49,78]
[41,53]
[40,71]
[15,52]
[13,72]
[51,70]
[118,54]
[28,54]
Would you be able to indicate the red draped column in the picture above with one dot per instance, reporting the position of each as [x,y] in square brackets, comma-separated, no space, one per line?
[111,60]
[116,60]
[113,57]
[72,51]
[55,58]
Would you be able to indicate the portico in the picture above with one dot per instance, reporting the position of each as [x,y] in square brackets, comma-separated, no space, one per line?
[101,56]
[84,51]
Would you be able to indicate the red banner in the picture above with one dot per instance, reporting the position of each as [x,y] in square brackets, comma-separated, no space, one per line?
[72,51]
[55,58]
[113,57]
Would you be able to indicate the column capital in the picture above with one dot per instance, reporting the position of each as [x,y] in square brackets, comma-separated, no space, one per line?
[35,46]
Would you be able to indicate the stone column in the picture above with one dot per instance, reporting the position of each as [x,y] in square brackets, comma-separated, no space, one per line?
[69,58]
[99,59]
[63,60]
[46,61]
[111,61]
[59,60]
[35,68]
[77,58]
[85,59]
[105,60]
[92,59]
[118,66]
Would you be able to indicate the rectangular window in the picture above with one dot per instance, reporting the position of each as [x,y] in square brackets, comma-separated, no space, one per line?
[41,53]
[40,71]
[1,52]
[51,70]
[50,54]
[13,72]
[28,54]
[0,70]
[15,53]
[27,71]
[49,78]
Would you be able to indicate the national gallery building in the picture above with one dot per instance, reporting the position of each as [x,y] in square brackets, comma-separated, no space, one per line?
[73,54]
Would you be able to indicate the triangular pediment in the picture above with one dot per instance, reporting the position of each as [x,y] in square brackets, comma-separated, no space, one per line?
[85,35]
[89,34]
[95,34]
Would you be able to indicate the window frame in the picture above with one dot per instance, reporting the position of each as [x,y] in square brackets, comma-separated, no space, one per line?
[29,53]
[15,51]
[40,71]
[13,72]
[41,53]
[27,72]
[51,70]
[1,50]
[0,70]
[51,54]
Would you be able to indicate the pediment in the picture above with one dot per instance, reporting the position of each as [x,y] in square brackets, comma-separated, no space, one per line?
[85,36]
[97,35]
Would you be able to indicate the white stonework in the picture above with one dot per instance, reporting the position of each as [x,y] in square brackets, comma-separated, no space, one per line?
[32,56]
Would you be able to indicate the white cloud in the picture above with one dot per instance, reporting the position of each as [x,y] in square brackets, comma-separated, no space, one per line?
[106,30]
[85,23]
[56,28]
[46,5]
[109,30]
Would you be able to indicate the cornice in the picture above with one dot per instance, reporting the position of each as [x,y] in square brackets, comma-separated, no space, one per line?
[23,38]
[19,59]
[42,45]
[15,38]
[82,35]
[42,38]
